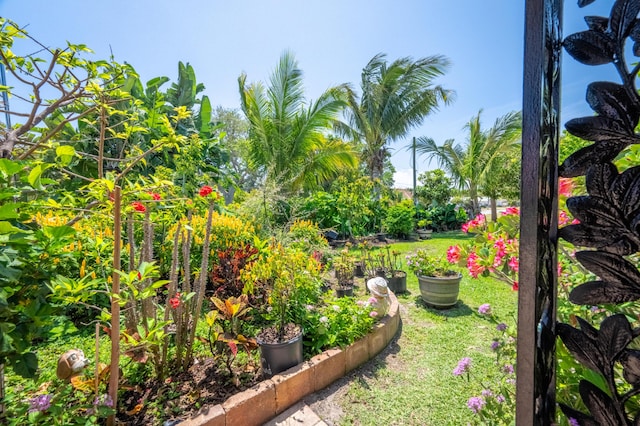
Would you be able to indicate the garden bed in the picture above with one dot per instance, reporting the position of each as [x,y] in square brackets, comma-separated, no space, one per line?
[271,397]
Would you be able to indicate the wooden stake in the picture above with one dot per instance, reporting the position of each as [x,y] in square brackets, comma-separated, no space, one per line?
[115,306]
[97,359]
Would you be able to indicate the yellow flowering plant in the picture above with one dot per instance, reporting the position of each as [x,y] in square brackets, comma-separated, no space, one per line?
[291,280]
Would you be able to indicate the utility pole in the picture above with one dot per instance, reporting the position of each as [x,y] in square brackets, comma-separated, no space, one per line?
[413,160]
[5,98]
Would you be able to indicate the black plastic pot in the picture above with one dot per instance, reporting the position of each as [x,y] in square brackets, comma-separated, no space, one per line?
[397,282]
[344,291]
[278,357]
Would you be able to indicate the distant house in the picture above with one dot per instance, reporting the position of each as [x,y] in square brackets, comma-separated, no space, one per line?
[406,194]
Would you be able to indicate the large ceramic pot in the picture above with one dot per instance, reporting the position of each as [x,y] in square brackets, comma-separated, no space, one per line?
[424,234]
[397,282]
[278,357]
[440,292]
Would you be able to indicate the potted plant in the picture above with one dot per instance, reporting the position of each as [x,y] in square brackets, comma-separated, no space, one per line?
[292,281]
[424,229]
[360,265]
[344,273]
[386,264]
[439,281]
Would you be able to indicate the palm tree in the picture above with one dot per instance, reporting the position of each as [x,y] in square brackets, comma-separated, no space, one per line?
[470,165]
[287,139]
[395,98]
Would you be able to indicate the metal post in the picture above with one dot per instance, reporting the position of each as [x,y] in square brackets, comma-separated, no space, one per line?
[535,395]
[413,156]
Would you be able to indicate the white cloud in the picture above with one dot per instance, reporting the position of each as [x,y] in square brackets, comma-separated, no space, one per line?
[403,179]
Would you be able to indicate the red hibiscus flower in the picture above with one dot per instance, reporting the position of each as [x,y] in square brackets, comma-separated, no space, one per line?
[205,190]
[155,196]
[138,206]
[175,301]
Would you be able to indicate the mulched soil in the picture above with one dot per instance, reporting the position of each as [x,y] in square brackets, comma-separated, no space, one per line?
[181,396]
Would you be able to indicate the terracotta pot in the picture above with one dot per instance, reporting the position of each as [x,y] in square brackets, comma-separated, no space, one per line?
[440,292]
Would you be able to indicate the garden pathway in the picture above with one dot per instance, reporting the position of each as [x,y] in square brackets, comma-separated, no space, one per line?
[323,408]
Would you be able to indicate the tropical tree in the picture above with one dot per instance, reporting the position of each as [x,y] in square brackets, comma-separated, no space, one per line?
[503,181]
[435,188]
[233,131]
[471,165]
[395,98]
[287,137]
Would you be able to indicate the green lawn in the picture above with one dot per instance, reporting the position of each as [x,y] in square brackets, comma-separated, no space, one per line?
[413,384]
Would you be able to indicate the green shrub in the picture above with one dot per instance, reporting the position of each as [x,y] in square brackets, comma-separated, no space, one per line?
[305,235]
[336,322]
[446,218]
[399,221]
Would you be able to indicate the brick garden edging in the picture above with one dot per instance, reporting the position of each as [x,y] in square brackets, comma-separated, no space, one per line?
[267,399]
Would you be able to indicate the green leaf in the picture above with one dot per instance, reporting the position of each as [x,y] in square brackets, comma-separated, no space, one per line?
[34,176]
[66,328]
[9,167]
[8,228]
[205,115]
[58,232]
[9,273]
[25,364]
[6,343]
[65,154]
[7,327]
[10,211]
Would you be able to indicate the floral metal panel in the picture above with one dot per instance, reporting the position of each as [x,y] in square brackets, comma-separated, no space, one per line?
[608,231]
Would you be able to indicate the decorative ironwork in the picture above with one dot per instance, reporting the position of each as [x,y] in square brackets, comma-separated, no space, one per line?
[609,217]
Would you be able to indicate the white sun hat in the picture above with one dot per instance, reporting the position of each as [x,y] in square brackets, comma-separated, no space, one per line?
[378,287]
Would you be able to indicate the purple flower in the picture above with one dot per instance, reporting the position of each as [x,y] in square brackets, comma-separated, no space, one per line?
[373,314]
[511,381]
[495,345]
[573,422]
[324,320]
[475,404]
[501,327]
[487,392]
[104,399]
[508,368]
[462,367]
[373,300]
[484,309]
[500,399]
[40,403]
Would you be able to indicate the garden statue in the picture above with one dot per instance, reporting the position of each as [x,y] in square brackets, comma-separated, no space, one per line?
[379,290]
[70,364]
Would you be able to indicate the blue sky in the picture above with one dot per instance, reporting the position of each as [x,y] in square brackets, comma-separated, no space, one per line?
[332,41]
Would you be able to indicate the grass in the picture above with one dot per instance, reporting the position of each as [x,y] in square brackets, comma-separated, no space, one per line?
[414,384]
